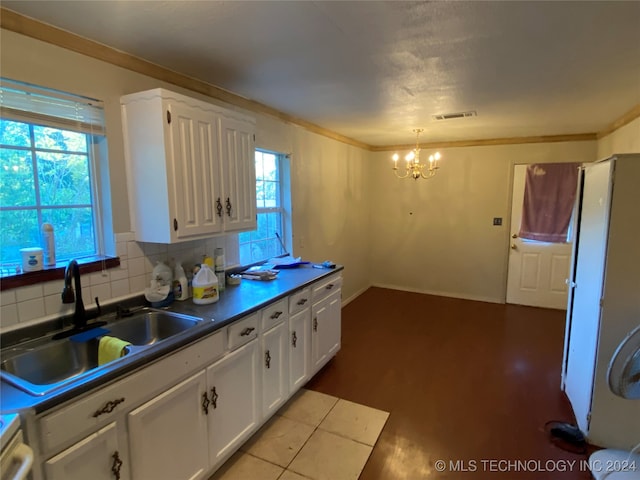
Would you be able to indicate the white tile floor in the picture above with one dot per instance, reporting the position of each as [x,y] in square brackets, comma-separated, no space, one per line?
[314,436]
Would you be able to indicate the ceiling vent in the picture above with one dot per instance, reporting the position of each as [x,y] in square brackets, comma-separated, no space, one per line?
[450,116]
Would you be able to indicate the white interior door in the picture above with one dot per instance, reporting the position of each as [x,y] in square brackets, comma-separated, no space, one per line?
[537,270]
[585,316]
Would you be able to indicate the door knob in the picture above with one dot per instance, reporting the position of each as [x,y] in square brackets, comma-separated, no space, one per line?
[515,235]
[514,246]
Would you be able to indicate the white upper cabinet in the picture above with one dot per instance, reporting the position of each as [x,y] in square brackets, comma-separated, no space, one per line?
[194,170]
[190,167]
[239,176]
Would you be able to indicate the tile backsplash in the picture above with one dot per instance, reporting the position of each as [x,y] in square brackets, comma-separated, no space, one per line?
[41,302]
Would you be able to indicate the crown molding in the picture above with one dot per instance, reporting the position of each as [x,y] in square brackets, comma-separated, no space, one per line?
[625,119]
[483,142]
[30,27]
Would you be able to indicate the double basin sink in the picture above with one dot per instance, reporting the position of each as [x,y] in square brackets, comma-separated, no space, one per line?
[42,365]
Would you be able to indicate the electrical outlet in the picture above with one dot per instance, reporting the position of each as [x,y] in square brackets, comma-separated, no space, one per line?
[497,221]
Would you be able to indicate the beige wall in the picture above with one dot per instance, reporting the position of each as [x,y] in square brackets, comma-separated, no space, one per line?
[432,236]
[436,236]
[329,196]
[623,140]
[329,193]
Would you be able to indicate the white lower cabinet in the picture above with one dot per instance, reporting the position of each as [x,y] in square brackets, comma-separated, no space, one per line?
[325,326]
[100,456]
[197,424]
[299,349]
[234,413]
[181,417]
[168,434]
[275,368]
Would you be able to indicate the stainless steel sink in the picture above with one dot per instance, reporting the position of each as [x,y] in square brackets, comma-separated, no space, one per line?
[43,365]
[52,362]
[152,326]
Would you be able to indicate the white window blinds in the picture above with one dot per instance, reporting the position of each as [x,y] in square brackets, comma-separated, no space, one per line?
[25,102]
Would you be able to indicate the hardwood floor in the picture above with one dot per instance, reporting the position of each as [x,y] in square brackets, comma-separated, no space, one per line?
[467,382]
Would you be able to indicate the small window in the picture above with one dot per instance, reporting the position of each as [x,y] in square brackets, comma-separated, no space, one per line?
[50,149]
[267,240]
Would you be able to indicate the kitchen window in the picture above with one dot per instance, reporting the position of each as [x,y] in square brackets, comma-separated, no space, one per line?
[272,197]
[52,148]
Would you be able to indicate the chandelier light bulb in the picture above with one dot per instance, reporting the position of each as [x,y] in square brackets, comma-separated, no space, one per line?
[414,168]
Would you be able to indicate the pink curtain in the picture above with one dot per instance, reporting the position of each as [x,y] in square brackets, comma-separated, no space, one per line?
[549,196]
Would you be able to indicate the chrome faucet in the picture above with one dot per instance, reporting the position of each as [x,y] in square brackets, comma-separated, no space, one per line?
[68,296]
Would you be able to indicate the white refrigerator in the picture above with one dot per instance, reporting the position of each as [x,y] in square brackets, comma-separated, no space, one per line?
[604,299]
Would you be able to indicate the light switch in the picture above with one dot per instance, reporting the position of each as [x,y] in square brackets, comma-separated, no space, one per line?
[497,220]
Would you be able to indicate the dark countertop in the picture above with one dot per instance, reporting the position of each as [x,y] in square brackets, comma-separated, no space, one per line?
[239,300]
[235,302]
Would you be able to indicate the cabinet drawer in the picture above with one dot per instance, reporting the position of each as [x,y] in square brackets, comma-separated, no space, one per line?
[274,314]
[243,331]
[299,300]
[89,413]
[326,287]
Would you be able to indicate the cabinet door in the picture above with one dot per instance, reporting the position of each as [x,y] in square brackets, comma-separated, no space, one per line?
[325,325]
[234,386]
[299,349]
[275,368]
[168,435]
[238,164]
[100,456]
[196,171]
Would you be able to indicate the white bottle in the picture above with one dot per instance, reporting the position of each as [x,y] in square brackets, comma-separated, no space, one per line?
[205,286]
[49,244]
[161,275]
[219,267]
[180,284]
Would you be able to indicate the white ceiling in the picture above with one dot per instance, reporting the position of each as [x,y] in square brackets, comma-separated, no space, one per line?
[373,71]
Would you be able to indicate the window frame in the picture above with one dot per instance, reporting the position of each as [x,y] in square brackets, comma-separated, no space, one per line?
[284,209]
[90,122]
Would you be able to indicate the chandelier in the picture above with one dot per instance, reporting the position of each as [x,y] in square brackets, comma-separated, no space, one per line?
[414,168]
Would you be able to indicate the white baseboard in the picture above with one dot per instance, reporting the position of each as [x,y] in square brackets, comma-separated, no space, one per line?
[346,301]
[478,298]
